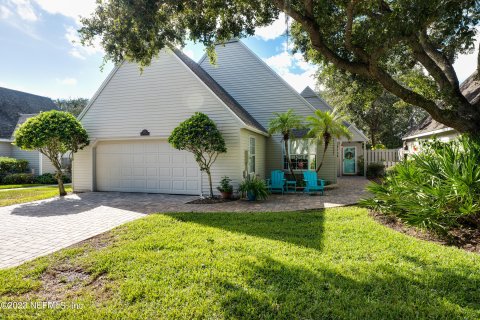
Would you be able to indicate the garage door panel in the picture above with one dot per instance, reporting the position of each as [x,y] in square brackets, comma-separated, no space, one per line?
[165,172]
[178,172]
[151,158]
[138,172]
[192,172]
[152,172]
[139,159]
[164,159]
[126,172]
[192,185]
[140,166]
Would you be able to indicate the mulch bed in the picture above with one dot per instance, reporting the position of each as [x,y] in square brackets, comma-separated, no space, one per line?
[211,200]
[464,238]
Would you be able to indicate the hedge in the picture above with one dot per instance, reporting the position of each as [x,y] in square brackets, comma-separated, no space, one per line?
[11,165]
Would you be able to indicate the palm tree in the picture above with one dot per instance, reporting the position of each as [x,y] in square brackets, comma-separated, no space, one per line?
[284,124]
[324,126]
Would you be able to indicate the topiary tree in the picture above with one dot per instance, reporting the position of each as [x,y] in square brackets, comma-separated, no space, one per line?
[200,136]
[54,134]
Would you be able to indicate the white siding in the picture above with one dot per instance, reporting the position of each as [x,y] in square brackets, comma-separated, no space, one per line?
[261,92]
[161,97]
[5,149]
[47,166]
[33,158]
[82,170]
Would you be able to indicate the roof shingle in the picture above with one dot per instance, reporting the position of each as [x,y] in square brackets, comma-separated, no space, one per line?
[220,92]
[14,104]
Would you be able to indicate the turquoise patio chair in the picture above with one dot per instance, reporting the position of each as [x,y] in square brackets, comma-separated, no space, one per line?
[276,181]
[312,183]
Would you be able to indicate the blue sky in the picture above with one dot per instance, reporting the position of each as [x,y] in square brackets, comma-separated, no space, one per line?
[40,52]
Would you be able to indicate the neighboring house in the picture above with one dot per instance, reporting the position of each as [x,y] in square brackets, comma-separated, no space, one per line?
[15,108]
[240,94]
[430,128]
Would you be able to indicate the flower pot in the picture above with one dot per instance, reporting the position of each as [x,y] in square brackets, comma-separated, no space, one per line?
[226,195]
[251,196]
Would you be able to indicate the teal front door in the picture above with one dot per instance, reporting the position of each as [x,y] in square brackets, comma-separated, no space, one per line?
[349,159]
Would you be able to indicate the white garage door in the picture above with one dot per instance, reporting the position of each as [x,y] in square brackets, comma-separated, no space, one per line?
[141,166]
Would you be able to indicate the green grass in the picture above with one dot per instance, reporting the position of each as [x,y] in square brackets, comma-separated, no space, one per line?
[15,186]
[333,264]
[26,195]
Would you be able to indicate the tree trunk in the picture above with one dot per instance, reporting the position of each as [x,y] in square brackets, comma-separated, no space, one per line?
[372,137]
[287,154]
[323,158]
[61,187]
[210,182]
[326,142]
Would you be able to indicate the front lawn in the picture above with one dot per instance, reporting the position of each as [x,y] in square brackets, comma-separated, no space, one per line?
[332,264]
[16,186]
[10,197]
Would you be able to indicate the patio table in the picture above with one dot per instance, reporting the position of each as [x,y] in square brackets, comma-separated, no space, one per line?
[291,185]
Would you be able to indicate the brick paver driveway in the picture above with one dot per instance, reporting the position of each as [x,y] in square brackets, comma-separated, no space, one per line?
[34,229]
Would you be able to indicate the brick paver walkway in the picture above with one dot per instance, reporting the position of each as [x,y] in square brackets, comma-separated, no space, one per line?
[35,229]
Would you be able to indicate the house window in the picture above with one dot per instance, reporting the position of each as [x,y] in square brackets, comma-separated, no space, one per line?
[251,156]
[303,155]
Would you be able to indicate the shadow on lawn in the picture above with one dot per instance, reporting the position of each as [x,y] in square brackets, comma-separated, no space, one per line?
[279,291]
[300,228]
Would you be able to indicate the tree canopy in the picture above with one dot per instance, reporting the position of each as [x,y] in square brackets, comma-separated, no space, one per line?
[324,126]
[284,124]
[200,136]
[53,133]
[406,46]
[73,105]
[381,115]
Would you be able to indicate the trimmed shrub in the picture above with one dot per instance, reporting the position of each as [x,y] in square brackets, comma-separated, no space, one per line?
[375,170]
[438,189]
[11,165]
[19,178]
[49,178]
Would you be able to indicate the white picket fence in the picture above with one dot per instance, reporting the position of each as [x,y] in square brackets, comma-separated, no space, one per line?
[389,157]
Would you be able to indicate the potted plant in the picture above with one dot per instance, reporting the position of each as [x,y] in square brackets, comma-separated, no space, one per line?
[225,188]
[254,187]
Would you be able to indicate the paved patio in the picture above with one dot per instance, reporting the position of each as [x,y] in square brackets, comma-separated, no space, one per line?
[38,228]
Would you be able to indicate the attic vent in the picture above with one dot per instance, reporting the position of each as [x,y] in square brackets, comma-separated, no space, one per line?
[145,132]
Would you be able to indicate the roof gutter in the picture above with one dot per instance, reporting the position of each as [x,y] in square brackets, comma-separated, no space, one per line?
[429,133]
[263,133]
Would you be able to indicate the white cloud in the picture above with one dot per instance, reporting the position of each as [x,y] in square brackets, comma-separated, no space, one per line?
[71,8]
[67,81]
[5,13]
[273,31]
[24,10]
[466,64]
[293,69]
[79,51]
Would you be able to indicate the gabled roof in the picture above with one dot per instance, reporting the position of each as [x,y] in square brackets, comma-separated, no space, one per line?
[231,103]
[470,88]
[315,100]
[318,103]
[15,103]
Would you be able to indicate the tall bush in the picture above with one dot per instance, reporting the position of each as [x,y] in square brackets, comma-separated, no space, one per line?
[437,189]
